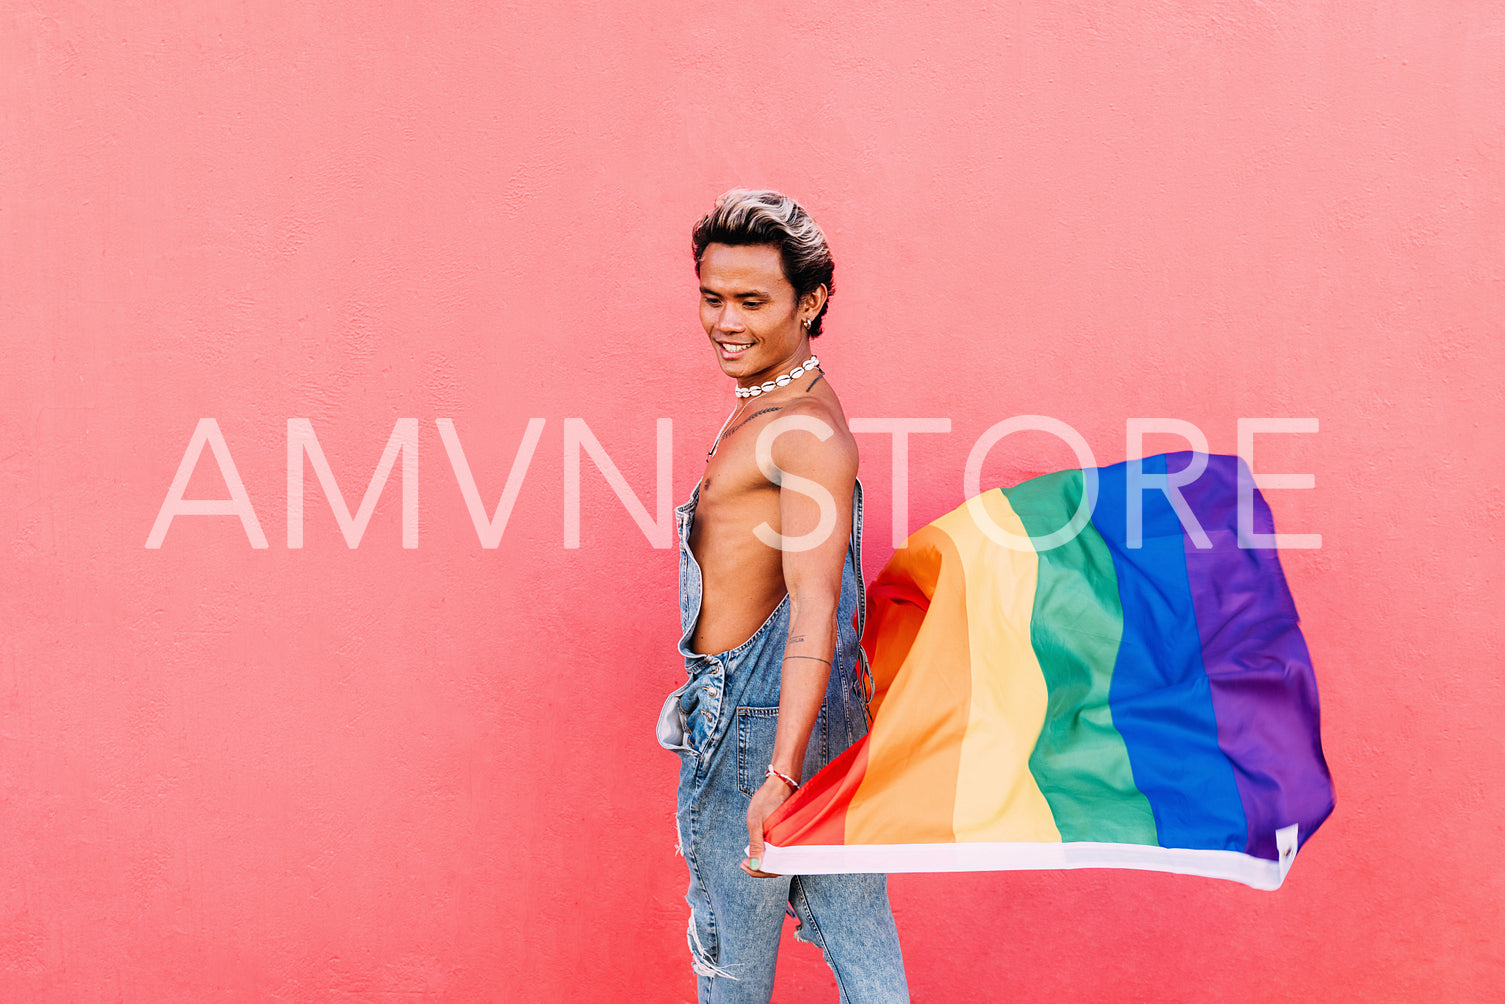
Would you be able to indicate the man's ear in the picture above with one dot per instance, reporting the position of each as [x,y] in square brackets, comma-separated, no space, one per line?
[814,300]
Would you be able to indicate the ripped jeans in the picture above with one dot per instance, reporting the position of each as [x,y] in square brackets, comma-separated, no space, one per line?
[727,717]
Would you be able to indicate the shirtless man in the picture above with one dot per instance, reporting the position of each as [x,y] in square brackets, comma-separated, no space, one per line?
[770,587]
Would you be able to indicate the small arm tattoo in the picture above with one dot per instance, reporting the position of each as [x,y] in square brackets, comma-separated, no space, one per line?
[810,657]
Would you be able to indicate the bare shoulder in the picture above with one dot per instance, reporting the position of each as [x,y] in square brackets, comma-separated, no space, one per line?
[813,438]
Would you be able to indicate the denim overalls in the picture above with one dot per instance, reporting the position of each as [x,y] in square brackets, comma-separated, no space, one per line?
[722,725]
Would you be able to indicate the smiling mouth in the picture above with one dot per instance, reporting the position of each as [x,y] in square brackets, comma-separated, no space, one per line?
[733,348]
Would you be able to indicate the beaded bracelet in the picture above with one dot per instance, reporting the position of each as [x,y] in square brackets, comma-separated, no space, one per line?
[771,772]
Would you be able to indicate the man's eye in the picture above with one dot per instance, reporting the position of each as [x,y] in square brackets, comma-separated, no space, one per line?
[752,304]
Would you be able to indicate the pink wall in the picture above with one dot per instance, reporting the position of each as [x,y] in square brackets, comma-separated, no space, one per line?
[230,773]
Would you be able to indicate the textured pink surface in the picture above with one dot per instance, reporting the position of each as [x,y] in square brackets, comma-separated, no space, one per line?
[230,773]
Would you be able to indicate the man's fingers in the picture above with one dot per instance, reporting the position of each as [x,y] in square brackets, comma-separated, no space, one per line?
[756,873]
[755,815]
[754,844]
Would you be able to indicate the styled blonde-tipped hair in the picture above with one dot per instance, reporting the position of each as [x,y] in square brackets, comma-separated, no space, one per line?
[763,217]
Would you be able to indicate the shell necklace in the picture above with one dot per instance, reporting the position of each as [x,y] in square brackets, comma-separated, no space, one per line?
[748,393]
[780,381]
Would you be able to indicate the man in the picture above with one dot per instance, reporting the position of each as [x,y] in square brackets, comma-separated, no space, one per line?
[770,585]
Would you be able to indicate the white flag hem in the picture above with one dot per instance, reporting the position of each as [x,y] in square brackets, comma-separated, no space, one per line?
[1257,873]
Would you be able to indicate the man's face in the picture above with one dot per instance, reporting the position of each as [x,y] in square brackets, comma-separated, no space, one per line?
[749,311]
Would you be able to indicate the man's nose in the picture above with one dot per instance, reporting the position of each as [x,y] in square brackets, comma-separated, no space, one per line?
[729,319]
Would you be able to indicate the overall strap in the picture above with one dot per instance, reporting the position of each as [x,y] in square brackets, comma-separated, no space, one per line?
[854,551]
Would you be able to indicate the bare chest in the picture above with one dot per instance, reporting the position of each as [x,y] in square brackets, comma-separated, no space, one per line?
[734,498]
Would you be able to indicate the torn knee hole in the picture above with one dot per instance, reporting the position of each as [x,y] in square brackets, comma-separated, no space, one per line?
[701,960]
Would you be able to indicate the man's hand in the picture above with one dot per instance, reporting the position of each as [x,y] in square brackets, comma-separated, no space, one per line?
[773,794]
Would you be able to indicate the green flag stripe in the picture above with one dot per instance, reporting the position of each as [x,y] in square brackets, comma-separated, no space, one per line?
[1080,761]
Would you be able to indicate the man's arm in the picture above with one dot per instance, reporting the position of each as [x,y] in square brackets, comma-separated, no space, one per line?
[815,478]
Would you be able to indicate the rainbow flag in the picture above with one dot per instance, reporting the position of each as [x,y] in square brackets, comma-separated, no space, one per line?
[1136,694]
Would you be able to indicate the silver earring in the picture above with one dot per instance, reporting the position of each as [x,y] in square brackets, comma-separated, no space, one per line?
[807,324]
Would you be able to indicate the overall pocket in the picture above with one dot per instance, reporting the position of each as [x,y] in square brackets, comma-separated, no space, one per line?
[670,729]
[756,728]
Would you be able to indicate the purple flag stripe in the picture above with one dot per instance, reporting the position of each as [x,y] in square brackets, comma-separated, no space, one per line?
[1263,689]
